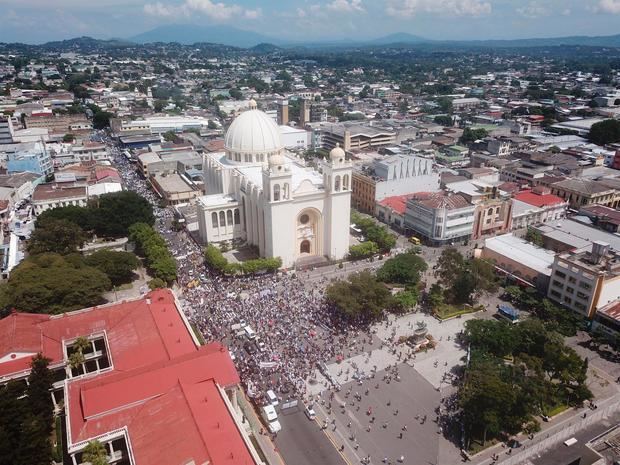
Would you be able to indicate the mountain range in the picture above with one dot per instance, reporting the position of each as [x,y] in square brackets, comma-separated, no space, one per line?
[228,35]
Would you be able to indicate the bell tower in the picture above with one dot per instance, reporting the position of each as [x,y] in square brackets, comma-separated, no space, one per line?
[337,172]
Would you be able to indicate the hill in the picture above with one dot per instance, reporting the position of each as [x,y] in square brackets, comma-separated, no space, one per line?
[188,34]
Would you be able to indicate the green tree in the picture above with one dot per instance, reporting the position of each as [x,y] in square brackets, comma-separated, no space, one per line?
[444,120]
[114,213]
[404,268]
[471,135]
[235,94]
[435,296]
[605,132]
[95,453]
[171,136]
[406,300]
[68,137]
[360,297]
[363,250]
[118,266]
[82,216]
[51,283]
[214,258]
[57,236]
[101,119]
[40,383]
[534,236]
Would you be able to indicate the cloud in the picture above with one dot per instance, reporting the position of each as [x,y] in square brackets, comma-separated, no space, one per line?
[533,10]
[609,6]
[347,6]
[408,8]
[216,11]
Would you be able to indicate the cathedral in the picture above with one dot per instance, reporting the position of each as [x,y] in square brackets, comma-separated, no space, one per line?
[258,193]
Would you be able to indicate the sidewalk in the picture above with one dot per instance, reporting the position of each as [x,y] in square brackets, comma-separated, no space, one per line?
[266,446]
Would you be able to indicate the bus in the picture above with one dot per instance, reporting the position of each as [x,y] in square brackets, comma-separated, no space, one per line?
[507,312]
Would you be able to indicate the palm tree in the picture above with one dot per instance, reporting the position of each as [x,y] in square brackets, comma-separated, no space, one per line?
[95,453]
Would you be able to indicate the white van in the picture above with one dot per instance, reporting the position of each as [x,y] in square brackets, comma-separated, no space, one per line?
[269,413]
[249,332]
[272,398]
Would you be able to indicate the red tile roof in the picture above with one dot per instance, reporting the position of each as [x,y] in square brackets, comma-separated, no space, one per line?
[155,328]
[162,388]
[441,200]
[539,200]
[397,203]
[173,410]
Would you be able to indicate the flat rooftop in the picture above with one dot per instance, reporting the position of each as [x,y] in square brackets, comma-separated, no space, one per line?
[172,182]
[578,235]
[519,250]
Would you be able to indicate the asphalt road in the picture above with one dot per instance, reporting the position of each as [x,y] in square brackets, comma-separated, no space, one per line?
[301,441]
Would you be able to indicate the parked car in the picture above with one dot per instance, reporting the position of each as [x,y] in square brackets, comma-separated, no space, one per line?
[309,411]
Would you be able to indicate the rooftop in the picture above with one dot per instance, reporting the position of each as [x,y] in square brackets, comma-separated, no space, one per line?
[52,191]
[578,235]
[398,203]
[519,250]
[582,186]
[539,199]
[440,200]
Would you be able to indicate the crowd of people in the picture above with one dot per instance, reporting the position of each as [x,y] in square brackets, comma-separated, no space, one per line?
[292,323]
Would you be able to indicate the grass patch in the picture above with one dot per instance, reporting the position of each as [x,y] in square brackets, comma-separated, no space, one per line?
[445,311]
[477,446]
[556,410]
[199,335]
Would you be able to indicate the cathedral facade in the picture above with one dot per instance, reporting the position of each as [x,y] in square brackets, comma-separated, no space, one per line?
[258,193]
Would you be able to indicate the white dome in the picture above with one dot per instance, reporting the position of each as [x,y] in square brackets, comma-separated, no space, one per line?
[337,154]
[253,132]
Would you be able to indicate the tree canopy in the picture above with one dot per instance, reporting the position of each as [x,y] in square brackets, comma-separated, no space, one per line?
[464,280]
[404,268]
[118,266]
[109,215]
[57,236]
[374,232]
[605,132]
[517,371]
[27,415]
[51,283]
[361,297]
[472,135]
[153,247]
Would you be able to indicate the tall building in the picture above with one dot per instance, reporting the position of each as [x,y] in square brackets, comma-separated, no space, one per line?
[6,130]
[586,281]
[392,176]
[440,218]
[260,194]
[304,112]
[282,112]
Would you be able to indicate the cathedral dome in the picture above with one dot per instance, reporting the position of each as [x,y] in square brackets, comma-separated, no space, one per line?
[252,133]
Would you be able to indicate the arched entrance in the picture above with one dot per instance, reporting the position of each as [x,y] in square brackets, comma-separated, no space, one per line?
[304,247]
[308,232]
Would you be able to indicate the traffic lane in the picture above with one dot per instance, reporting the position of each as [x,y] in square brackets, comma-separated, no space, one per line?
[301,441]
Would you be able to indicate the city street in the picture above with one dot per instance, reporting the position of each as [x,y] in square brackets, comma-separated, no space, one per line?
[302,442]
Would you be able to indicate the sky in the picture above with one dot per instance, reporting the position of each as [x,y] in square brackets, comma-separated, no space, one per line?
[37,21]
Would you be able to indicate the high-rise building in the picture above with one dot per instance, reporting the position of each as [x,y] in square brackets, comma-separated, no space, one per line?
[304,112]
[283,112]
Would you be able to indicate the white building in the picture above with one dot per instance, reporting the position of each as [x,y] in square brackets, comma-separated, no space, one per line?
[440,217]
[260,194]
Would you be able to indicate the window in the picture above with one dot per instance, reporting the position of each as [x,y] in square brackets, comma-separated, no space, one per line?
[345,182]
[229,218]
[558,284]
[237,218]
[570,290]
[214,220]
[303,219]
[585,285]
[581,295]
[572,279]
[559,274]
[556,294]
[580,306]
[337,183]
[222,219]
[276,192]
[567,300]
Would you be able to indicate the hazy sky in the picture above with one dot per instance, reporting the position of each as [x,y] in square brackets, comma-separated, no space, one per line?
[34,21]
